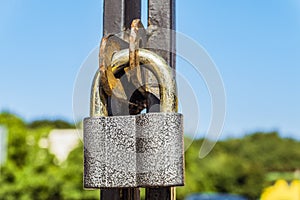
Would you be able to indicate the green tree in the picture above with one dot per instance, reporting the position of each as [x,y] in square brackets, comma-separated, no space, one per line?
[59,124]
[31,172]
[221,172]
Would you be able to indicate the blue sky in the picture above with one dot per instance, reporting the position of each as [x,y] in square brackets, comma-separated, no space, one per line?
[255,45]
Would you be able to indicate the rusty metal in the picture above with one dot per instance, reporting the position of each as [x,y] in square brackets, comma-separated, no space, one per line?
[109,45]
[118,16]
[154,63]
[161,70]
[137,39]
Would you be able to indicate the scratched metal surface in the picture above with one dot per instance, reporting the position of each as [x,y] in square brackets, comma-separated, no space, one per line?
[144,150]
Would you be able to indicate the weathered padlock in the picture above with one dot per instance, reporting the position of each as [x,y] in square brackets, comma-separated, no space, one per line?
[135,150]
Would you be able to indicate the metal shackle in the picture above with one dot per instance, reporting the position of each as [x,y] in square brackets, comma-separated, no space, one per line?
[156,64]
[161,70]
[97,101]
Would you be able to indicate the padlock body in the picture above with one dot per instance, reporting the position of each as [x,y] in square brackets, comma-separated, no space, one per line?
[144,150]
[109,152]
[160,160]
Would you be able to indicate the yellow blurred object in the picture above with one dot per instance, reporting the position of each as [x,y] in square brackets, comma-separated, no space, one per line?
[281,190]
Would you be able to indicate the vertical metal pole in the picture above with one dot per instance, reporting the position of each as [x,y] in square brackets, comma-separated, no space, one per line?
[161,14]
[113,12]
[118,15]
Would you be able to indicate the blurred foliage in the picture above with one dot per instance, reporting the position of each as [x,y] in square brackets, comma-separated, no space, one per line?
[240,166]
[222,172]
[59,124]
[32,172]
[288,176]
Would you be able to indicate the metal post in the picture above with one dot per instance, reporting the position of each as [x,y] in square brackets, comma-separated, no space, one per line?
[117,17]
[161,14]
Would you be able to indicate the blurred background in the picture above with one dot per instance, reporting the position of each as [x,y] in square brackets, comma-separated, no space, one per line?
[256,47]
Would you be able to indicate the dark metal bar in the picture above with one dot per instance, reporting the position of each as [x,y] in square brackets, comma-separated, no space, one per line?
[113,12]
[113,194]
[131,194]
[118,15]
[160,193]
[161,14]
[132,11]
[120,194]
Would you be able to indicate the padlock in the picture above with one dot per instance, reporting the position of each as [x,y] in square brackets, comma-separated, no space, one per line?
[144,150]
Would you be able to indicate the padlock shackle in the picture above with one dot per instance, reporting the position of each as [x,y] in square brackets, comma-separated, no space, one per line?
[156,64]
[98,106]
[161,70]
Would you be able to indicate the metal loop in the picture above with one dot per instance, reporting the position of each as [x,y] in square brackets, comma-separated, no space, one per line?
[161,70]
[159,67]
[98,103]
